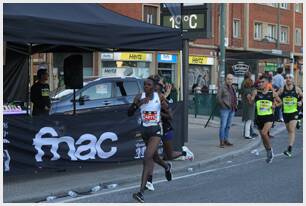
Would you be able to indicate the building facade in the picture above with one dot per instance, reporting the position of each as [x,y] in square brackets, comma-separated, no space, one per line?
[250,29]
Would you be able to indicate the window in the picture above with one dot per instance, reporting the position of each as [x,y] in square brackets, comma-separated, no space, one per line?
[236,28]
[150,14]
[284,6]
[271,32]
[298,8]
[258,31]
[126,88]
[284,35]
[99,91]
[298,37]
[275,5]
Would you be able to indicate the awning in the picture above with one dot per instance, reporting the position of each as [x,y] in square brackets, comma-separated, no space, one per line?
[253,55]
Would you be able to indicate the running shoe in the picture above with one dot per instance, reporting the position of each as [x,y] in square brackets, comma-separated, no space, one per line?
[181,158]
[149,186]
[139,197]
[254,135]
[287,153]
[298,124]
[190,155]
[168,174]
[249,137]
[270,156]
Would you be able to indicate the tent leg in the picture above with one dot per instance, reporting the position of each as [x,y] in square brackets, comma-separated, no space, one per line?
[29,79]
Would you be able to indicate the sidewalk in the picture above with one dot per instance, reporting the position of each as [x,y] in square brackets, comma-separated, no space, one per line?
[202,141]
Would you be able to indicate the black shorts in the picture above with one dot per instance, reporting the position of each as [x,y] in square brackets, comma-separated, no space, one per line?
[289,117]
[260,121]
[151,131]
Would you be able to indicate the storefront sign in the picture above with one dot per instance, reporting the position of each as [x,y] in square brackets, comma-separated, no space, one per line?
[240,69]
[270,67]
[167,58]
[201,60]
[133,56]
[107,56]
[109,71]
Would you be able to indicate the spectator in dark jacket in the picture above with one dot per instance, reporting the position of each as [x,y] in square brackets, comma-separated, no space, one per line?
[227,100]
[40,93]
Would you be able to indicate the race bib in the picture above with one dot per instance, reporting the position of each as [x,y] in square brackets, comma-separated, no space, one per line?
[265,105]
[149,117]
[288,101]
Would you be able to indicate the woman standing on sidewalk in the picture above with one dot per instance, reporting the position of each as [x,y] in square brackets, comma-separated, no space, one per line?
[248,108]
[265,101]
[150,104]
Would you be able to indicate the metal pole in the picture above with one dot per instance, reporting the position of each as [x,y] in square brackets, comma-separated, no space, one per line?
[185,86]
[278,33]
[222,71]
[278,26]
[185,64]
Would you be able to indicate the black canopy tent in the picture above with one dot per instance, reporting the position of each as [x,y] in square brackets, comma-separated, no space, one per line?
[41,28]
[34,28]
[83,25]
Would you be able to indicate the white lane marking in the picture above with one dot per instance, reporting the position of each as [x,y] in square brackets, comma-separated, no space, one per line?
[161,181]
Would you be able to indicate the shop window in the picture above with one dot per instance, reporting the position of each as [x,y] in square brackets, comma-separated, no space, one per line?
[150,14]
[167,72]
[199,77]
[125,68]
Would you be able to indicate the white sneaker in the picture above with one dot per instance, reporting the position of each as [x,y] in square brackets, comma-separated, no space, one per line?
[150,186]
[190,155]
[181,158]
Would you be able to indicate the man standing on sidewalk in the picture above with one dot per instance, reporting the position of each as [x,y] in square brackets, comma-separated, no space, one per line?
[227,100]
[278,83]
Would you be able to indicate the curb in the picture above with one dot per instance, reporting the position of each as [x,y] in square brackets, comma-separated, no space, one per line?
[158,174]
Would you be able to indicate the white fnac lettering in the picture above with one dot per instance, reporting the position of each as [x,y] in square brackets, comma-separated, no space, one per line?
[76,149]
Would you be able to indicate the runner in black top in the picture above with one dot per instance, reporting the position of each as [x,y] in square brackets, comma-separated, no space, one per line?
[265,102]
[292,98]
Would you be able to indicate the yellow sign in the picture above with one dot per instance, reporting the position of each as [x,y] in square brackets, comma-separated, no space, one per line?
[198,60]
[133,57]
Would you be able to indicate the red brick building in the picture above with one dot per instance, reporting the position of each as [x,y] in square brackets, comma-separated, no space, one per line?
[250,29]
